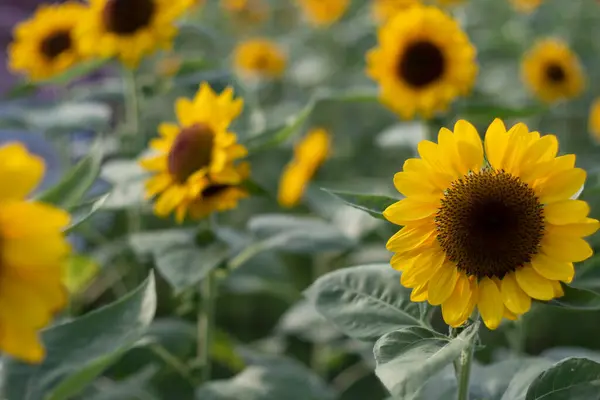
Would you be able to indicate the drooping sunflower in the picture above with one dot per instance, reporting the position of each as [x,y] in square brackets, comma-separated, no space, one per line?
[31,288]
[309,154]
[552,71]
[594,119]
[322,13]
[44,45]
[526,6]
[195,155]
[423,62]
[385,9]
[129,29]
[259,58]
[489,234]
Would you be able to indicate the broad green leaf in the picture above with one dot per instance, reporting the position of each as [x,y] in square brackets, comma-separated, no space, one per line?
[76,182]
[272,380]
[408,358]
[304,321]
[185,265]
[79,272]
[578,299]
[375,205]
[473,110]
[296,234]
[136,386]
[523,376]
[364,302]
[275,136]
[145,244]
[79,350]
[573,378]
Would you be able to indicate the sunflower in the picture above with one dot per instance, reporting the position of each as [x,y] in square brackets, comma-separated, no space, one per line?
[423,62]
[196,155]
[44,45]
[309,154]
[489,234]
[248,11]
[129,29]
[259,58]
[321,13]
[385,9]
[31,288]
[526,6]
[552,71]
[594,119]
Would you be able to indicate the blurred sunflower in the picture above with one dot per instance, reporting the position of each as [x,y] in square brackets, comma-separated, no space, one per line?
[44,46]
[552,71]
[526,6]
[248,11]
[385,9]
[197,156]
[321,13]
[259,58]
[594,119]
[31,288]
[129,29]
[309,154]
[494,232]
[423,62]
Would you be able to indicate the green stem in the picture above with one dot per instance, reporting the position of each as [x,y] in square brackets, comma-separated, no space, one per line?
[464,372]
[206,316]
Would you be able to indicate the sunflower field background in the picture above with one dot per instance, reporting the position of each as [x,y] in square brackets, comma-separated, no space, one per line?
[201,200]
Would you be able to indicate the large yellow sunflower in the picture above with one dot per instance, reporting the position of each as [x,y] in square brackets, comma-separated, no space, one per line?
[129,29]
[526,6]
[44,46]
[309,154]
[32,251]
[385,9]
[493,232]
[259,58]
[423,62]
[321,13]
[195,155]
[552,71]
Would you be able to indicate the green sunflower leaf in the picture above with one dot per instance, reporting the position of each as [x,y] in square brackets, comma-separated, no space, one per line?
[79,350]
[76,182]
[365,302]
[78,71]
[573,378]
[411,358]
[578,299]
[478,110]
[374,205]
[275,136]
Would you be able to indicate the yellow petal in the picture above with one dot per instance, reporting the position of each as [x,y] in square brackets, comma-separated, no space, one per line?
[566,248]
[465,132]
[416,186]
[442,283]
[535,285]
[419,294]
[20,341]
[168,131]
[400,261]
[561,185]
[496,141]
[155,163]
[49,248]
[566,212]
[184,109]
[587,227]
[20,172]
[490,303]
[18,219]
[553,269]
[536,174]
[424,266]
[407,210]
[558,289]
[514,298]
[459,306]
[509,315]
[409,237]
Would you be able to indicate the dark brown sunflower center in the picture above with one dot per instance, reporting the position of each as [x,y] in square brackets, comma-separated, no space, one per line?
[214,190]
[490,223]
[191,151]
[125,17]
[555,73]
[421,64]
[55,44]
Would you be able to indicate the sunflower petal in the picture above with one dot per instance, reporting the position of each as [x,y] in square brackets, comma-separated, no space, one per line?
[566,248]
[566,212]
[490,303]
[459,306]
[514,298]
[553,269]
[535,285]
[442,283]
[407,210]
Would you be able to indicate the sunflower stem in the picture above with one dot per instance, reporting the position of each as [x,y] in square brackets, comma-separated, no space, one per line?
[464,372]
[206,317]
